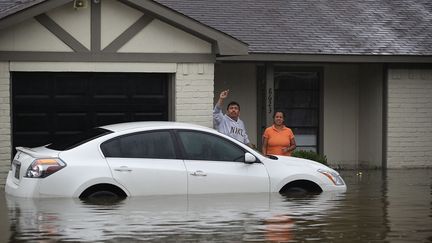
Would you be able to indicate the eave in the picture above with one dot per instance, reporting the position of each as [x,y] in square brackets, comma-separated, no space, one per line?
[328,58]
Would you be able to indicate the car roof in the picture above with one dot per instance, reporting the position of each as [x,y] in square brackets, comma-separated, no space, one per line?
[153,125]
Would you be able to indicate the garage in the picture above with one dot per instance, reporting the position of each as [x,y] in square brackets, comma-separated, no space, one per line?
[49,105]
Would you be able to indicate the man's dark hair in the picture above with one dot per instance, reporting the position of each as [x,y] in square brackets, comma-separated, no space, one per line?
[233,103]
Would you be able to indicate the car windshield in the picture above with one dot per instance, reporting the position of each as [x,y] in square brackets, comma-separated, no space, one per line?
[72,141]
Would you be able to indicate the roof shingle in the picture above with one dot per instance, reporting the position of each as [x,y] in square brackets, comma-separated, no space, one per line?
[357,27]
[8,7]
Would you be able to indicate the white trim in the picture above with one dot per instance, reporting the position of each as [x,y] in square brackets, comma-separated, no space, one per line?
[93,67]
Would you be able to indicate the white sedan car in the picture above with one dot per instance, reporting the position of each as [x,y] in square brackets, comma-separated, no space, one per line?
[159,158]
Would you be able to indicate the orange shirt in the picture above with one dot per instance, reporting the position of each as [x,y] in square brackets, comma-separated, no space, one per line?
[277,140]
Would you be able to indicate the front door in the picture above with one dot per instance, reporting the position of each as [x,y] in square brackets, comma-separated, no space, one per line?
[296,92]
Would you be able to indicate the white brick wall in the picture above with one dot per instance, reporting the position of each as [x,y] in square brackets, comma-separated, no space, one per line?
[409,118]
[5,125]
[194,93]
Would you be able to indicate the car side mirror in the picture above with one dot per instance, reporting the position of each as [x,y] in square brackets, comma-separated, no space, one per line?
[249,158]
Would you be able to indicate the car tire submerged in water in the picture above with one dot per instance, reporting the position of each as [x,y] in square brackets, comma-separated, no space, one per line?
[103,197]
[295,191]
[300,188]
[103,193]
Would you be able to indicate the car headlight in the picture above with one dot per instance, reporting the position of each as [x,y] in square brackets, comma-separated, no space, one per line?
[41,168]
[333,176]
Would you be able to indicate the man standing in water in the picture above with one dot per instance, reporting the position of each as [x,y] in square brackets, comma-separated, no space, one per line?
[230,123]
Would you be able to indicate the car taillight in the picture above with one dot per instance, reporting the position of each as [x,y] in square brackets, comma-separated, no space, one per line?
[41,168]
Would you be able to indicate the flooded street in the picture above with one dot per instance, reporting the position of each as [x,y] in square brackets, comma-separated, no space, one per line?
[395,206]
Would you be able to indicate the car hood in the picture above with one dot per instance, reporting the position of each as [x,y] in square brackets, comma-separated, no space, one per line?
[284,170]
[299,162]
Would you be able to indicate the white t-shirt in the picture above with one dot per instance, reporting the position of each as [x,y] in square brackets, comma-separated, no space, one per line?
[224,124]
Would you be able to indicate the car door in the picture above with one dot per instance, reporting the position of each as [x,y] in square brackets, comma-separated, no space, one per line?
[216,165]
[146,163]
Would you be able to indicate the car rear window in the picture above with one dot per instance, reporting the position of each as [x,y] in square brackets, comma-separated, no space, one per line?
[72,141]
[155,144]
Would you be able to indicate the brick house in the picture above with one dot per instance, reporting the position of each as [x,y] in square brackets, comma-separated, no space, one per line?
[353,77]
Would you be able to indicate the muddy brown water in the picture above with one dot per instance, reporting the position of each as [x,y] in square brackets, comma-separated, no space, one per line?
[391,206]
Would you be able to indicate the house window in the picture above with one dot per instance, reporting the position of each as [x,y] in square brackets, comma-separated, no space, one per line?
[297,94]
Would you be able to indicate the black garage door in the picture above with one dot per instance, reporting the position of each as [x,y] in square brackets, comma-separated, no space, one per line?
[47,106]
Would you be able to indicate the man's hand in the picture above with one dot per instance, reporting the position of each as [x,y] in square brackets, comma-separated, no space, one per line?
[222,97]
[224,94]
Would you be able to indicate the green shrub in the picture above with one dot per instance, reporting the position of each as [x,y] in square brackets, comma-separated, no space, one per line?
[311,155]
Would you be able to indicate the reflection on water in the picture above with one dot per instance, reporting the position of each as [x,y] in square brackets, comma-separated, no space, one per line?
[204,217]
[378,207]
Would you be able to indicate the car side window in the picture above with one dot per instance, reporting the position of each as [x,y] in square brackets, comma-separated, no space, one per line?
[203,146]
[157,144]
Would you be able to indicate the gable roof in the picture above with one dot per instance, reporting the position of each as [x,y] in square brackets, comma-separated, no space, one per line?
[353,27]
[384,28]
[8,7]
[13,11]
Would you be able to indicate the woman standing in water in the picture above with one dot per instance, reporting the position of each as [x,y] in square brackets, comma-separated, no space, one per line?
[278,139]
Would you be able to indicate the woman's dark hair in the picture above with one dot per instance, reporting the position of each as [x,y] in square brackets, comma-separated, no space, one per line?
[233,103]
[274,114]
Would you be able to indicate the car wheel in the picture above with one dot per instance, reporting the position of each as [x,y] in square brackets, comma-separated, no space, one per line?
[103,197]
[300,188]
[295,192]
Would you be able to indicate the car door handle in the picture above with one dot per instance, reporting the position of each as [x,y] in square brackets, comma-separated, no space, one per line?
[123,169]
[198,173]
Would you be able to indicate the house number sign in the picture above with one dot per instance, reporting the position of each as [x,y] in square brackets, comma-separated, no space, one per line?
[269,100]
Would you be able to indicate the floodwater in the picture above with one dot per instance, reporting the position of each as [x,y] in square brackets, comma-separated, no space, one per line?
[391,206]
